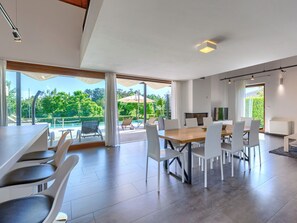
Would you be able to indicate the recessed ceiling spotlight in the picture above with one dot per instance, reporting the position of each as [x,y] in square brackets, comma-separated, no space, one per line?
[207,46]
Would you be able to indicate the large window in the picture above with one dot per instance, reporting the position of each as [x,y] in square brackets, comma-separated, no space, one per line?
[131,94]
[255,103]
[65,103]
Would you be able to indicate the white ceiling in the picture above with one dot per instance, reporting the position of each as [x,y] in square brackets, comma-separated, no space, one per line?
[157,38]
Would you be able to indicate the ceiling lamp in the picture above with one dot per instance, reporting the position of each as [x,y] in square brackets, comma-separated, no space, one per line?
[15,32]
[252,79]
[207,46]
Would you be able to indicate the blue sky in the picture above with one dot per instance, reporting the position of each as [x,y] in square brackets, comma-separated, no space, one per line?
[68,84]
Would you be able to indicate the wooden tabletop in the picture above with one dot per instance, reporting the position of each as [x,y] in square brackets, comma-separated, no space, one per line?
[186,135]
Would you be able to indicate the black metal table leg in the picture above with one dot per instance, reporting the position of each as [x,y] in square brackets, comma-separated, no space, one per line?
[178,160]
[189,163]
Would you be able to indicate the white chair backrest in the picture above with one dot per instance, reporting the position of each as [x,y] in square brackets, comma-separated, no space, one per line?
[254,133]
[161,123]
[61,153]
[153,144]
[171,124]
[191,122]
[247,121]
[207,121]
[237,137]
[57,189]
[61,141]
[213,141]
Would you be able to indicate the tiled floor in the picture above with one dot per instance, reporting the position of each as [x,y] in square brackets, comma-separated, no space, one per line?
[108,185]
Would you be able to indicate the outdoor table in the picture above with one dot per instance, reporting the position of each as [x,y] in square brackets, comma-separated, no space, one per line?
[67,130]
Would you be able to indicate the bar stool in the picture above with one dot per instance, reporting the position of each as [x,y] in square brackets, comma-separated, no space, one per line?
[41,207]
[44,155]
[35,172]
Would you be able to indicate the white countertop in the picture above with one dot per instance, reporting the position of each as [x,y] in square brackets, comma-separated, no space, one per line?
[15,141]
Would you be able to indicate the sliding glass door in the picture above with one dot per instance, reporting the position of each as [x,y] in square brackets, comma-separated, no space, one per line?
[255,103]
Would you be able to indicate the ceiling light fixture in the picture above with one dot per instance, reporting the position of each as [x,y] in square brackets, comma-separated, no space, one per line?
[15,32]
[229,82]
[252,79]
[281,79]
[259,72]
[207,46]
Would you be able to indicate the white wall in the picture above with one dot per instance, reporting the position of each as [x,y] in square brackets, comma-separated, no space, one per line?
[280,101]
[93,13]
[202,95]
[51,32]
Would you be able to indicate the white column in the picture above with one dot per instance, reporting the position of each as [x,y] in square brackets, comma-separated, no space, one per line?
[176,101]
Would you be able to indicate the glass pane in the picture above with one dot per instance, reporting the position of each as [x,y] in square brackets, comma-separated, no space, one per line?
[254,103]
[65,103]
[11,97]
[131,107]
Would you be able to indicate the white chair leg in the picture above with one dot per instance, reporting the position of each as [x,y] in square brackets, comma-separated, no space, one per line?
[199,161]
[146,169]
[232,165]
[259,154]
[249,155]
[224,158]
[175,166]
[222,171]
[183,167]
[205,173]
[229,157]
[158,176]
[202,164]
[211,163]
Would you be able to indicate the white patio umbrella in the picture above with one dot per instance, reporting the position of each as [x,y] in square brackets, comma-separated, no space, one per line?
[137,98]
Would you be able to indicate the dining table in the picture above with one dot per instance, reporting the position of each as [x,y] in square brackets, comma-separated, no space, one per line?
[187,136]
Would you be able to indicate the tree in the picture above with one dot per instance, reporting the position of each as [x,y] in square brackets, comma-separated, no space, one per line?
[11,99]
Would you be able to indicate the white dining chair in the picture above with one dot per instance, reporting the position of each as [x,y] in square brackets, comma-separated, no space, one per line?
[207,121]
[156,153]
[170,124]
[44,206]
[253,139]
[236,145]
[247,121]
[191,122]
[211,148]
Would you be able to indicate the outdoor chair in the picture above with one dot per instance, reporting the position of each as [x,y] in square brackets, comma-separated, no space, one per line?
[127,123]
[89,128]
